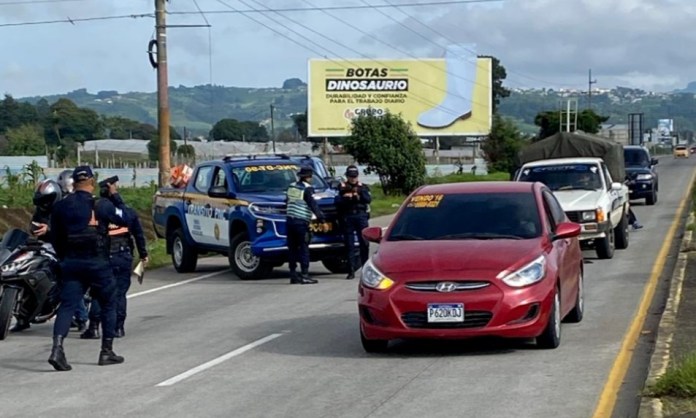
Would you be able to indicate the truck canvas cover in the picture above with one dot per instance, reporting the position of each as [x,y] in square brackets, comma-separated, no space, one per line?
[577,144]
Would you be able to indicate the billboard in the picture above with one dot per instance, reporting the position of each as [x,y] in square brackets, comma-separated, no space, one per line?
[665,127]
[439,97]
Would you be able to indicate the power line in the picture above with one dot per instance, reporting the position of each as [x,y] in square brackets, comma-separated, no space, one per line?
[79,19]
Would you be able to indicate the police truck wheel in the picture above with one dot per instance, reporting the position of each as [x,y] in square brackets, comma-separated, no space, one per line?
[336,265]
[184,257]
[7,305]
[605,246]
[243,262]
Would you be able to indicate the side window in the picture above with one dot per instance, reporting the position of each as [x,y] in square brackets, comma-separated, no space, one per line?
[203,179]
[554,209]
[607,177]
[219,179]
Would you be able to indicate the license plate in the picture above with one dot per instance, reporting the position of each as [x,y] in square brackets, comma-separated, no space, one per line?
[445,312]
[319,227]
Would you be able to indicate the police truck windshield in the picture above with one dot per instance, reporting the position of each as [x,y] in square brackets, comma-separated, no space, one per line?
[265,178]
[565,177]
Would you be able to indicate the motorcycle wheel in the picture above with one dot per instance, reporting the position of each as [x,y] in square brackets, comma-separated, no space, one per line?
[8,300]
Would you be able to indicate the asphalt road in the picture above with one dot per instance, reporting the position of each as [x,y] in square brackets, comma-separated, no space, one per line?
[218,346]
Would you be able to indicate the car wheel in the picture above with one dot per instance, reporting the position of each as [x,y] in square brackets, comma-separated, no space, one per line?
[605,246]
[551,337]
[579,310]
[651,199]
[184,256]
[243,262]
[621,233]
[373,346]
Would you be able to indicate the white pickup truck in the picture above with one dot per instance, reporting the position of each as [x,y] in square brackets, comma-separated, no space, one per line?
[588,196]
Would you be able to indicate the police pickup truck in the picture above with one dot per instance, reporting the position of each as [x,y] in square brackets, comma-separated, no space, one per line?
[236,207]
[589,196]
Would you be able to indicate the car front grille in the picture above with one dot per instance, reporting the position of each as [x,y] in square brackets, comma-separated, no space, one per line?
[573,216]
[472,319]
[459,286]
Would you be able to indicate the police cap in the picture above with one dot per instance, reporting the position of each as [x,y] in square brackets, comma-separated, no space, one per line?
[352,171]
[82,173]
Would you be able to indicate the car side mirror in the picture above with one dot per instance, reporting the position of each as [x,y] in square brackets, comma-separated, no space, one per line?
[654,161]
[616,186]
[567,230]
[334,183]
[219,192]
[372,234]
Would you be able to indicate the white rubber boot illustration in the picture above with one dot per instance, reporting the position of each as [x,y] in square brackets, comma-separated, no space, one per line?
[461,65]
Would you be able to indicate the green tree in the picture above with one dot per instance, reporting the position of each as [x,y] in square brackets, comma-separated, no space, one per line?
[502,145]
[68,121]
[14,114]
[234,130]
[153,148]
[186,151]
[549,122]
[499,74]
[27,139]
[388,146]
[300,122]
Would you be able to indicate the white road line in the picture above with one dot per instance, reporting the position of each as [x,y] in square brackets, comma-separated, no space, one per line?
[194,279]
[218,360]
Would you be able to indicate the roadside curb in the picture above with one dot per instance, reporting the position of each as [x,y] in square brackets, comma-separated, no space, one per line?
[652,407]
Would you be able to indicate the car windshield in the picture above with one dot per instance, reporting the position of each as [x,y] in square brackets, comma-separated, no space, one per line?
[636,158]
[469,216]
[274,178]
[565,177]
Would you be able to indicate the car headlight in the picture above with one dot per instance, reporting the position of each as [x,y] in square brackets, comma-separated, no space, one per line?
[373,278]
[588,215]
[529,274]
[265,210]
[644,176]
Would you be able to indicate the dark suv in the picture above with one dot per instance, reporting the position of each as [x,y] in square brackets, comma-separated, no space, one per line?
[640,173]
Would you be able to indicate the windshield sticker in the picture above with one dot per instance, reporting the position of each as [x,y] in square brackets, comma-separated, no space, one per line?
[270,168]
[425,201]
[564,168]
[593,169]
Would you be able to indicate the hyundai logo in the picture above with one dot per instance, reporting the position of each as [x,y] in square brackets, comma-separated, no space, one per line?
[446,287]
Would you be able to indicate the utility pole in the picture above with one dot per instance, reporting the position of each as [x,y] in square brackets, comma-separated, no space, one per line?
[272,130]
[590,82]
[162,92]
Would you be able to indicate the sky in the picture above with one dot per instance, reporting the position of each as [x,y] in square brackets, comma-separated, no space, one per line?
[643,44]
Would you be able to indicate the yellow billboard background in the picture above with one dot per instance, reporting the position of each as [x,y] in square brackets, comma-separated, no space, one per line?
[426,82]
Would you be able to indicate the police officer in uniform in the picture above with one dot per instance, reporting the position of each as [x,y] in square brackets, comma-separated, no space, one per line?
[81,242]
[353,203]
[301,206]
[121,256]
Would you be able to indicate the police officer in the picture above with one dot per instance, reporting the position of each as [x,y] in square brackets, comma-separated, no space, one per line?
[121,256]
[301,207]
[81,242]
[353,203]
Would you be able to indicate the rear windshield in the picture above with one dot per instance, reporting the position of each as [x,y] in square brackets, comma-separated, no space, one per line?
[468,216]
[565,177]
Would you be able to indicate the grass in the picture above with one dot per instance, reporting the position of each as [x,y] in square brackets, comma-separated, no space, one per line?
[679,381]
[157,253]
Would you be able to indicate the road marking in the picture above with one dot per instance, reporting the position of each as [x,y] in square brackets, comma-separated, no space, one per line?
[218,360]
[183,282]
[607,399]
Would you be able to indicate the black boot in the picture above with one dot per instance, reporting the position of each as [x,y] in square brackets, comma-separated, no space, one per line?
[106,355]
[350,276]
[120,332]
[21,325]
[57,358]
[305,279]
[294,278]
[81,326]
[92,332]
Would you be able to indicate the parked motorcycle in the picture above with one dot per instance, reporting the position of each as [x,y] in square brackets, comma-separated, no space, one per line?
[28,272]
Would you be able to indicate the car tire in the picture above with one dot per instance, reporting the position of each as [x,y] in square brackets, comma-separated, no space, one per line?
[551,337]
[336,265]
[243,262]
[621,233]
[605,246]
[578,311]
[184,256]
[651,199]
[373,346]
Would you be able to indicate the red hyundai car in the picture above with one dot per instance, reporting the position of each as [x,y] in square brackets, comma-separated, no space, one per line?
[473,259]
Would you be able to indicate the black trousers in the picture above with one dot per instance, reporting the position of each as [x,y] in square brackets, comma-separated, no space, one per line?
[352,226]
[298,244]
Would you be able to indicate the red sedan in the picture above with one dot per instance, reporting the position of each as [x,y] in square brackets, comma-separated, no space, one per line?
[473,259]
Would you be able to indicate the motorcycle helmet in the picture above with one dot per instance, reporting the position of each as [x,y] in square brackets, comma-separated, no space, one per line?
[47,193]
[65,181]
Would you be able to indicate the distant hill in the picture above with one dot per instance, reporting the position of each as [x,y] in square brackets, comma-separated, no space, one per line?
[198,108]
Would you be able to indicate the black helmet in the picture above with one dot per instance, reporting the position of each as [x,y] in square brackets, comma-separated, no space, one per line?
[65,181]
[305,171]
[47,194]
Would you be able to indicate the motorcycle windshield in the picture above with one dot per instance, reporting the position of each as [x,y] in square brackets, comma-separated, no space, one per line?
[13,239]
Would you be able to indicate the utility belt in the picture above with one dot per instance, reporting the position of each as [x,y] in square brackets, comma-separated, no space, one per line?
[88,244]
[119,244]
[355,211]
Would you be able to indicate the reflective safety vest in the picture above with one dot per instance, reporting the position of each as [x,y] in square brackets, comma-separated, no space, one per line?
[297,207]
